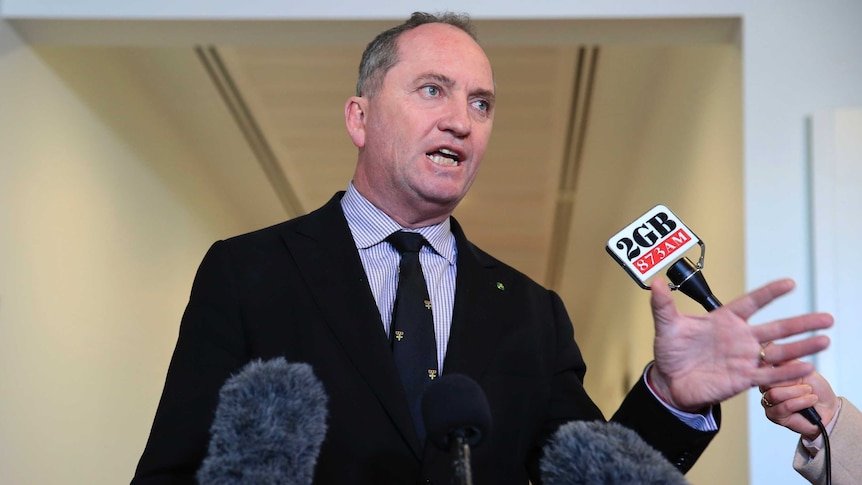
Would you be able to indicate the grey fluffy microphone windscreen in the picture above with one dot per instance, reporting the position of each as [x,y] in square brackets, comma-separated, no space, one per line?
[268,427]
[591,452]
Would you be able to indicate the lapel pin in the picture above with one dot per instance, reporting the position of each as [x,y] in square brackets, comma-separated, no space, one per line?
[500,286]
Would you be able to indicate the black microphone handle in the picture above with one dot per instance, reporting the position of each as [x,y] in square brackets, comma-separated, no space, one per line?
[461,448]
[689,279]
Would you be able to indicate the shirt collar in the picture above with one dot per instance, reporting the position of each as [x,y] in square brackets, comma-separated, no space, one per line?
[371,226]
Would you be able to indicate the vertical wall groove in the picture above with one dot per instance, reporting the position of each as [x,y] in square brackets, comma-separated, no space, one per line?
[263,152]
[582,90]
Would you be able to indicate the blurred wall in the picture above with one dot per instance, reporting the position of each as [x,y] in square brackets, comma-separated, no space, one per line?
[100,236]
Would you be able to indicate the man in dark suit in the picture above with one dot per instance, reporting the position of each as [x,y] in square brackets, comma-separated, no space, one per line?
[320,289]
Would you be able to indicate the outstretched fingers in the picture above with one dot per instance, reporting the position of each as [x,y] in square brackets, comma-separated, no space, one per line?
[791,327]
[746,305]
[768,376]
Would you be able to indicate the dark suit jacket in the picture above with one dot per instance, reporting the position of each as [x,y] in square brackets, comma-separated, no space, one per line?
[298,290]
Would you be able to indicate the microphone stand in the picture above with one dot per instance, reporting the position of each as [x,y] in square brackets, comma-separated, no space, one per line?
[687,277]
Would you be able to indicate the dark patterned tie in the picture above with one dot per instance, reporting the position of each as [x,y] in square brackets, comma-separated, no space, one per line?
[412,331]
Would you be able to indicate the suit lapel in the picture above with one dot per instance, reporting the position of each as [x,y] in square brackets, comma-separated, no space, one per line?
[326,255]
[479,311]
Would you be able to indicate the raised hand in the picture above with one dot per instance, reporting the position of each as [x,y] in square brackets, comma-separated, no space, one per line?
[707,358]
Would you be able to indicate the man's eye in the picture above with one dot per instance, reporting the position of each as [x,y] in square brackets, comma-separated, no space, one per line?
[482,105]
[432,91]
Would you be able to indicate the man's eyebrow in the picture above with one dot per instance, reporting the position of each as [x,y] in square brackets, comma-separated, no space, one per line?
[484,93]
[436,77]
[447,81]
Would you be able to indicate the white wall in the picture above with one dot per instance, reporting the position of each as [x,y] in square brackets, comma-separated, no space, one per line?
[798,57]
[99,240]
[836,210]
[346,9]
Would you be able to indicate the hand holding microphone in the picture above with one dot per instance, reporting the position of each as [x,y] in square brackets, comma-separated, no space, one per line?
[783,401]
[705,359]
[700,361]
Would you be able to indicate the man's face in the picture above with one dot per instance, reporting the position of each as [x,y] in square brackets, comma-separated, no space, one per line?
[425,131]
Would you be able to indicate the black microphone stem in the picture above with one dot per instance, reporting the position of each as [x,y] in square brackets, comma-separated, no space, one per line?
[463,470]
[457,417]
[688,278]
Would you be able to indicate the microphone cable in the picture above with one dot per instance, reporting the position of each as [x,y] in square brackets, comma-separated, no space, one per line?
[814,418]
[827,450]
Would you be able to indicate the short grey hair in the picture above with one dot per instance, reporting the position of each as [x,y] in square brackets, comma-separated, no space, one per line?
[382,52]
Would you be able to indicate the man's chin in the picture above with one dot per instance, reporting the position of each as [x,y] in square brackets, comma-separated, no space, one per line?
[443,200]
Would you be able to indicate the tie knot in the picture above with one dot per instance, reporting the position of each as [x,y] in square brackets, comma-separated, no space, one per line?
[406,242]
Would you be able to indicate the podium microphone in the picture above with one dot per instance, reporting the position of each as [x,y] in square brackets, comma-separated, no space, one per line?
[590,452]
[457,416]
[268,428]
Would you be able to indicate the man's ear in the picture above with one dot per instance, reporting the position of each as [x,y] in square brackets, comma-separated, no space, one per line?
[354,118]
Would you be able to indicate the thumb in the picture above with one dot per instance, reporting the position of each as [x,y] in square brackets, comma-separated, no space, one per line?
[661,301]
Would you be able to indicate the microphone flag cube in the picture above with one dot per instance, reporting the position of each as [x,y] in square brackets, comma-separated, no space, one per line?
[650,243]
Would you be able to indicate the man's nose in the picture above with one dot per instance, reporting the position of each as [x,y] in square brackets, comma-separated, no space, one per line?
[456,118]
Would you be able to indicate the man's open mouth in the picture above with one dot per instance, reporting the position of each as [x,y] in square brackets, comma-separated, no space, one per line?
[444,156]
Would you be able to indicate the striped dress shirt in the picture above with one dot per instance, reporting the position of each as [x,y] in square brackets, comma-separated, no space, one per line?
[370,226]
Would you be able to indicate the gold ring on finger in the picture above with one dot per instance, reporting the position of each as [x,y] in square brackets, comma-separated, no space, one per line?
[763,352]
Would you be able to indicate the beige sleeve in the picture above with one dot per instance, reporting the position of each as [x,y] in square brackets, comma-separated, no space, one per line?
[845,442]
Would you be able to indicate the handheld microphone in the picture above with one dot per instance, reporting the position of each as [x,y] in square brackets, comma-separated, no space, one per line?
[457,416]
[689,279]
[590,452]
[647,245]
[269,425]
